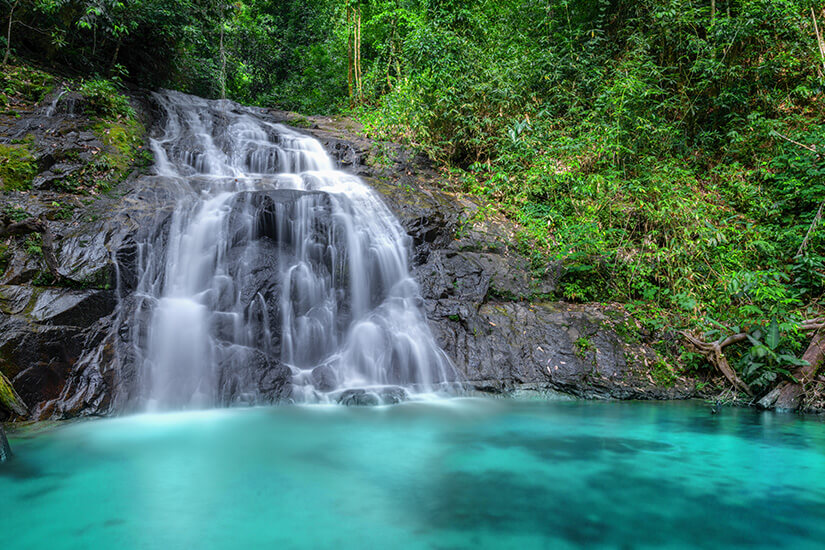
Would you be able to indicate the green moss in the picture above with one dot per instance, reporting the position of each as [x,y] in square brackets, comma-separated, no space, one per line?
[301,122]
[124,140]
[664,374]
[24,84]
[123,151]
[17,166]
[8,397]
[583,345]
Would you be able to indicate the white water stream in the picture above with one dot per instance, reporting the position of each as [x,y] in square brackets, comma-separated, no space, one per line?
[272,259]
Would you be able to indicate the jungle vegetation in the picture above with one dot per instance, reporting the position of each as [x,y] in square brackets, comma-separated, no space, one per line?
[670,152]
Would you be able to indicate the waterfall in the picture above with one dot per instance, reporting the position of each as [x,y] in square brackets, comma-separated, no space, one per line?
[275,275]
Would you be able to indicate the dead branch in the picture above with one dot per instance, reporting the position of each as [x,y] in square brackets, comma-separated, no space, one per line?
[811,148]
[713,353]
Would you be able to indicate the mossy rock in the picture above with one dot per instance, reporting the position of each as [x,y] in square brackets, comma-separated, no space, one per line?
[9,400]
[25,83]
[18,167]
[123,139]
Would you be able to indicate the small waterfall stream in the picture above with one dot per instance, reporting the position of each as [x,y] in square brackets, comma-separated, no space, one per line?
[276,276]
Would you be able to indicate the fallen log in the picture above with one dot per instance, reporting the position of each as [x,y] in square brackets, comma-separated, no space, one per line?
[787,396]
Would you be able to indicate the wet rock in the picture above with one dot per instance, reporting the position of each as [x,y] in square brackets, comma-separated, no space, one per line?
[72,307]
[324,378]
[505,346]
[392,395]
[358,398]
[10,402]
[248,376]
[5,449]
[14,298]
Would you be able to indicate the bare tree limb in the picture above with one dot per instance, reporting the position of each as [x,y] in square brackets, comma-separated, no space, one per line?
[811,148]
[713,352]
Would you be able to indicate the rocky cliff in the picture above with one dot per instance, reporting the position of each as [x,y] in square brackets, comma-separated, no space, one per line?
[63,332]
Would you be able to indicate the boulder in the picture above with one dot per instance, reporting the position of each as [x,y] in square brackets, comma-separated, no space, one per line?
[358,398]
[324,379]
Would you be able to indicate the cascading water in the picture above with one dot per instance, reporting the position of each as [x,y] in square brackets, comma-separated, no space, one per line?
[275,276]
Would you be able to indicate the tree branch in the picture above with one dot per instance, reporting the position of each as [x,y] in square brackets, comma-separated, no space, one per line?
[713,353]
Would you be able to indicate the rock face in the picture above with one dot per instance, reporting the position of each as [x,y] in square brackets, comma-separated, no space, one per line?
[69,351]
[491,311]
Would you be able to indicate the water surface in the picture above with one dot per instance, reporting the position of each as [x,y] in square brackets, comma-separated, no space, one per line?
[451,474]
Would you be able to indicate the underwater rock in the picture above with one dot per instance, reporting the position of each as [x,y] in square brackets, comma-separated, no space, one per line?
[358,398]
[5,449]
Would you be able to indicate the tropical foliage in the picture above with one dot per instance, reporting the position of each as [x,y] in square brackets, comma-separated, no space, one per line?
[671,152]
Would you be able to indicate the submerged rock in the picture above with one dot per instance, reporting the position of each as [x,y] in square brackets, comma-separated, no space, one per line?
[358,398]
[5,449]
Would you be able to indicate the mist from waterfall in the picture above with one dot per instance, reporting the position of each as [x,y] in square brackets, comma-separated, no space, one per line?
[275,276]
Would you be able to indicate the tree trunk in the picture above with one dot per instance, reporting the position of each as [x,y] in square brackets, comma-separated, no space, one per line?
[8,33]
[114,57]
[350,54]
[714,354]
[787,396]
[358,82]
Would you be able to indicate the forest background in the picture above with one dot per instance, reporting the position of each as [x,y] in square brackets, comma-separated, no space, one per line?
[670,152]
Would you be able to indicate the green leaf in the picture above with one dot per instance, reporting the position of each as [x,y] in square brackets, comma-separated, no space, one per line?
[773,337]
